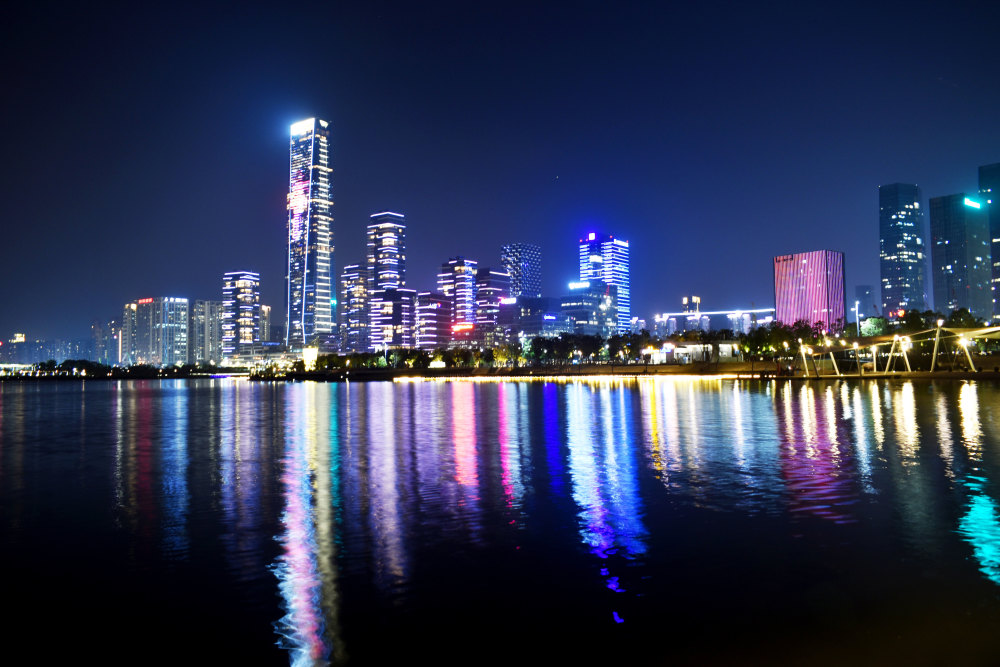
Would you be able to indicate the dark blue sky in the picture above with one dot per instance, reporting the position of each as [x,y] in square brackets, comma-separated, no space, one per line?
[145,152]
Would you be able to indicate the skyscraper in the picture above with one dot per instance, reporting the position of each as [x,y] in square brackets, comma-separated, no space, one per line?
[354,308]
[433,321]
[523,261]
[989,194]
[809,286]
[589,308]
[240,312]
[492,287]
[155,331]
[457,281]
[386,251]
[901,247]
[606,259]
[960,254]
[310,302]
[265,323]
[392,318]
[206,332]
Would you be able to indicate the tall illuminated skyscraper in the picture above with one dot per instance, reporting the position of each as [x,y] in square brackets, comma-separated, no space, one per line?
[310,300]
[606,259]
[523,261]
[240,312]
[386,251]
[960,254]
[809,286]
[901,247]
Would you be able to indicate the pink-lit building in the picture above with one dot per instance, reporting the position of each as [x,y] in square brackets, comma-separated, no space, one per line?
[810,286]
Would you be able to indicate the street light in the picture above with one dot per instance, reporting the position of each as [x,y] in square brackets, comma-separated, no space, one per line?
[857,317]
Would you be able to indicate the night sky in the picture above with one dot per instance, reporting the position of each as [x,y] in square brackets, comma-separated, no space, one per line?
[145,152]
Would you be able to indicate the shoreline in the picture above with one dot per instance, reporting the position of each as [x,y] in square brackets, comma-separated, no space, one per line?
[738,371]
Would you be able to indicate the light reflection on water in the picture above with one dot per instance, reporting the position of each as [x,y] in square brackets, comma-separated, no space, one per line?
[331,509]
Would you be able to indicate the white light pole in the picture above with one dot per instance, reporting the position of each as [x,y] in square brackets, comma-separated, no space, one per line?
[857,317]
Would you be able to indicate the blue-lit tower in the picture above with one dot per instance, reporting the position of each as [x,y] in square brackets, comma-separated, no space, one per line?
[310,301]
[240,312]
[606,259]
[960,253]
[457,281]
[386,251]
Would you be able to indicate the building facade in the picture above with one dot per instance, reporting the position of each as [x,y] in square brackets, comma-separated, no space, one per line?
[265,323]
[960,255]
[492,287]
[392,318]
[989,195]
[606,259]
[523,262]
[901,248]
[433,321]
[354,309]
[457,281]
[809,286]
[155,331]
[310,302]
[206,332]
[386,251]
[240,313]
[590,308]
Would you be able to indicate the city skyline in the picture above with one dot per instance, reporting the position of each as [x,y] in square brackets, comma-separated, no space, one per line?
[508,135]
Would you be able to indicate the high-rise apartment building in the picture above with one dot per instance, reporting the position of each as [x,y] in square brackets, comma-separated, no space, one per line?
[265,323]
[386,251]
[457,281]
[523,262]
[492,287]
[392,318]
[433,321]
[809,286]
[354,309]
[206,332]
[989,195]
[960,255]
[240,313]
[155,331]
[127,341]
[901,247]
[606,259]
[310,301]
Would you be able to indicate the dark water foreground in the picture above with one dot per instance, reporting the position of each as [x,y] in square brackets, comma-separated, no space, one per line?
[652,521]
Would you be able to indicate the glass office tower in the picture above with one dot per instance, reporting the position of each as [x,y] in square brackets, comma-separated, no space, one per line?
[310,301]
[960,254]
[901,248]
[606,259]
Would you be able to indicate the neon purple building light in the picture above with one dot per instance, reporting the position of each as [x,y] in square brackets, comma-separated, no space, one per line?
[809,286]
